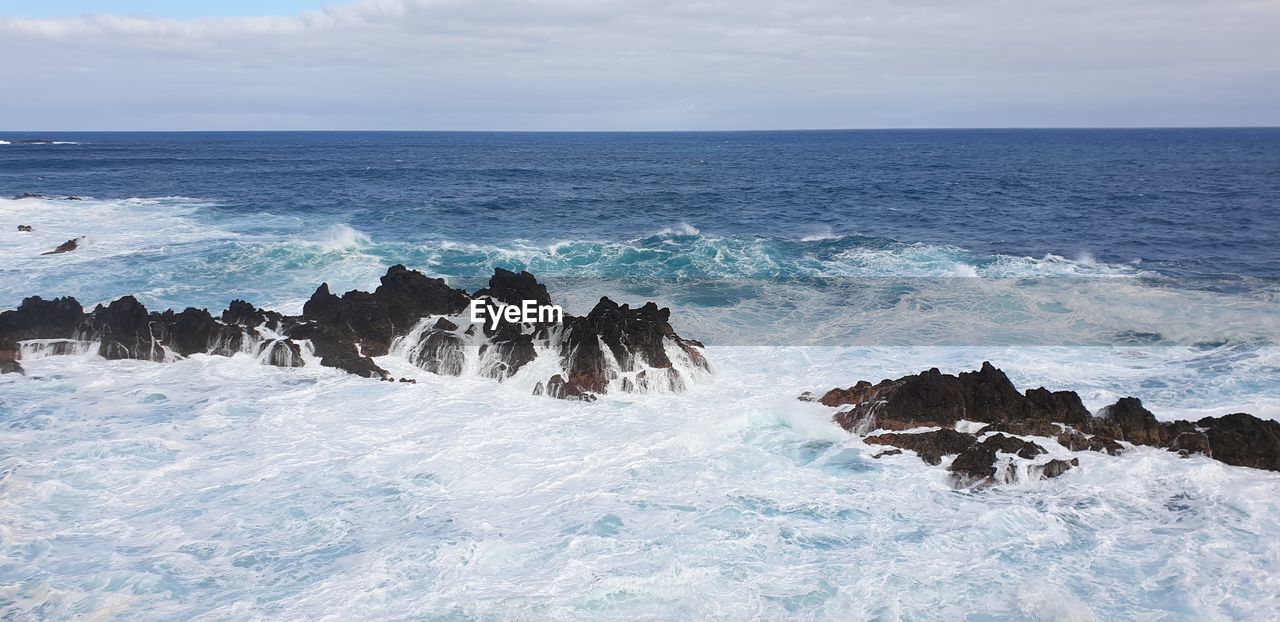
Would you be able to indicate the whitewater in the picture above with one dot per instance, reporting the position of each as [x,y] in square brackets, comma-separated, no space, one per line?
[214,488]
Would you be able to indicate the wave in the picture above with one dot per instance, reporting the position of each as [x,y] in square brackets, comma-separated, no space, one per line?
[832,290]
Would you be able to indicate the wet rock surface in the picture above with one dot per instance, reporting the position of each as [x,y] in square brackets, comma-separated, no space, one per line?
[420,317]
[932,399]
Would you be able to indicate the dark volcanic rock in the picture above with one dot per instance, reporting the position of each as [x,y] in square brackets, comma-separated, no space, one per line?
[1075,441]
[558,388]
[930,398]
[1012,445]
[931,446]
[37,318]
[124,330]
[633,337]
[24,228]
[506,355]
[65,247]
[1127,420]
[346,331]
[374,320]
[512,288]
[406,296]
[439,352]
[1243,440]
[1058,407]
[1026,427]
[191,332]
[241,313]
[976,465]
[282,353]
[1054,468]
[10,366]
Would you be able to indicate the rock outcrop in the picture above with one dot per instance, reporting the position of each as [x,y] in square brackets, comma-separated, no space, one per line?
[614,347]
[935,400]
[65,247]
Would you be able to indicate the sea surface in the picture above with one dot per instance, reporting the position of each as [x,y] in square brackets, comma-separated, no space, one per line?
[1107,262]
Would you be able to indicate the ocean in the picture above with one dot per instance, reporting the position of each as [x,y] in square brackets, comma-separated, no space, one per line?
[1107,262]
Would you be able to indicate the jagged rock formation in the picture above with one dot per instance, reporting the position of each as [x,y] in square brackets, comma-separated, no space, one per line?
[612,348]
[932,399]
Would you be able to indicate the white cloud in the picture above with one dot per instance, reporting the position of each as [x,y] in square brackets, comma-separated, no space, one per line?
[661,64]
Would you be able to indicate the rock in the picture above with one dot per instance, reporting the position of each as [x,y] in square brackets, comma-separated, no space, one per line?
[931,398]
[934,399]
[406,296]
[511,288]
[1188,443]
[439,352]
[558,388]
[930,446]
[346,331]
[193,331]
[1243,440]
[408,381]
[72,198]
[1127,420]
[24,228]
[1075,441]
[28,195]
[337,350]
[124,330]
[282,353]
[506,355]
[37,318]
[241,313]
[1027,427]
[1013,445]
[1054,468]
[1058,407]
[374,320]
[65,247]
[11,366]
[976,465]
[887,452]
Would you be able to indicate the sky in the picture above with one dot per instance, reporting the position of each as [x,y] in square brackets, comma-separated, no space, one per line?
[636,64]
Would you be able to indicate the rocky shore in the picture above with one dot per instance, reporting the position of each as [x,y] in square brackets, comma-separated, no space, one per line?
[998,435]
[612,348]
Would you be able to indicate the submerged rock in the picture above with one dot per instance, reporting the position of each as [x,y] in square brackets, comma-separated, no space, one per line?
[24,228]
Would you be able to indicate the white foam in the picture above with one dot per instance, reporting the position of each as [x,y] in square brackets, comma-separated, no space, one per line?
[216,488]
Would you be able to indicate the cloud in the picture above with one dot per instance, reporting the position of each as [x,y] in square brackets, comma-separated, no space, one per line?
[658,64]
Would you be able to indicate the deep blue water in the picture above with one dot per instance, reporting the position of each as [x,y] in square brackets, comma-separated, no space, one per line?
[1183,201]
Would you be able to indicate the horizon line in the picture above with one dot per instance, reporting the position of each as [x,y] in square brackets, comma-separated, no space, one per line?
[664,131]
